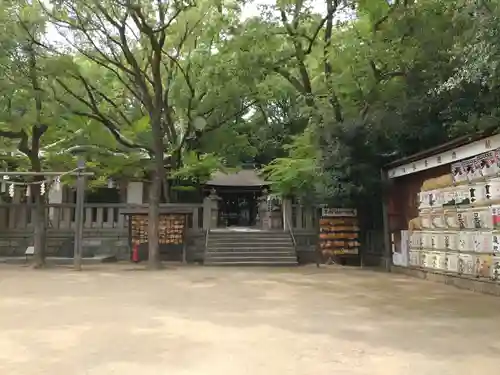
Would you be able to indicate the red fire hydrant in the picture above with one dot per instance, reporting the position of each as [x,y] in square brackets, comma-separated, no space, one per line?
[135,253]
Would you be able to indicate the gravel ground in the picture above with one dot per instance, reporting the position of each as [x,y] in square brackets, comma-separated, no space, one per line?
[119,319]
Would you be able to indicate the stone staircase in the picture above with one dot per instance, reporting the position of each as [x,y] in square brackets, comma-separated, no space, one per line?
[246,247]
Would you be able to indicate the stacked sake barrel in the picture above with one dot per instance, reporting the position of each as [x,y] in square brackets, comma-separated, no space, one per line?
[458,227]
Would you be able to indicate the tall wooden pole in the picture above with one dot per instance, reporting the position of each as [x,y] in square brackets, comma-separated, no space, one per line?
[80,200]
[385,221]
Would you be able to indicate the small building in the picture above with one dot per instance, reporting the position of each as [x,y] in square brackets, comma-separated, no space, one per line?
[244,201]
[441,210]
[240,194]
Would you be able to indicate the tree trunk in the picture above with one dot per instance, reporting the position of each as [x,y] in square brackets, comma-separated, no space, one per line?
[158,175]
[154,221]
[40,224]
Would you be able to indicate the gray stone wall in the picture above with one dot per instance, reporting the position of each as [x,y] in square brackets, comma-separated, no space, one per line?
[306,247]
[95,242]
[195,250]
[15,244]
[60,243]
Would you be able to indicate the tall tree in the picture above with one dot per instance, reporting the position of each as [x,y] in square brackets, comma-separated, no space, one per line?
[30,116]
[362,71]
[161,58]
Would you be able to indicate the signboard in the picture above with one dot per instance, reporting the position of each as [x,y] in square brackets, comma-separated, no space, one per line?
[339,232]
[338,212]
[451,156]
[171,229]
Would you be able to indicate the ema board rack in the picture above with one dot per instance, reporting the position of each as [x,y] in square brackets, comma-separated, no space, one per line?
[339,232]
[171,229]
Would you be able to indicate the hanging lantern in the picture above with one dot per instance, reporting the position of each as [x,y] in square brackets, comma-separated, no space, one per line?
[111,183]
[42,188]
[11,191]
[28,190]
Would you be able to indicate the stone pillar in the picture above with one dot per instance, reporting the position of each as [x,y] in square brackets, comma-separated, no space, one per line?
[20,211]
[275,214]
[210,211]
[135,190]
[264,215]
[55,196]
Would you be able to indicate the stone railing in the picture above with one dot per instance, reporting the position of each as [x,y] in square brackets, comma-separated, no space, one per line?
[19,216]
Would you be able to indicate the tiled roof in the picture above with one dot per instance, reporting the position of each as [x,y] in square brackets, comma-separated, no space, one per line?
[245,177]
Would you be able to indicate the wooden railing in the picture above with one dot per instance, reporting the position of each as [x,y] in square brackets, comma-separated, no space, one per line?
[19,216]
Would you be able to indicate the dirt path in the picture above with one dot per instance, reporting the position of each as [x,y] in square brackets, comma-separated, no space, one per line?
[198,320]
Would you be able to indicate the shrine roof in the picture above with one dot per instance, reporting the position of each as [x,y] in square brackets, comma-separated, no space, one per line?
[245,177]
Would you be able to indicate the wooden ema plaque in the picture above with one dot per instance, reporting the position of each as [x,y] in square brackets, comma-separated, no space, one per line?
[171,229]
[338,232]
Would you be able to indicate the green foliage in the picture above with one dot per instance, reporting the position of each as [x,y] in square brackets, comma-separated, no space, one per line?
[297,174]
[367,90]
[197,169]
[31,119]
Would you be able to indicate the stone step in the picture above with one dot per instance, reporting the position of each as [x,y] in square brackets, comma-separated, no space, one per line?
[258,248]
[250,245]
[265,254]
[250,233]
[290,260]
[265,263]
[244,250]
[248,238]
[229,245]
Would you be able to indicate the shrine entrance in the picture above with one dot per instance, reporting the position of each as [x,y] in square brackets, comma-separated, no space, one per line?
[238,198]
[238,208]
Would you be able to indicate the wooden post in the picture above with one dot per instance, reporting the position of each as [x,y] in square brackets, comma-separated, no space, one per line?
[184,239]
[385,221]
[80,200]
